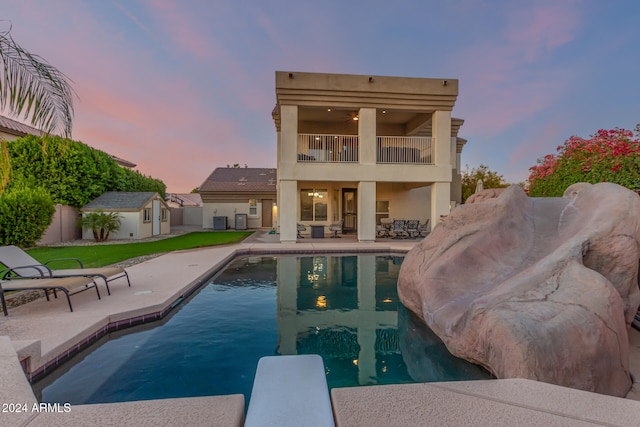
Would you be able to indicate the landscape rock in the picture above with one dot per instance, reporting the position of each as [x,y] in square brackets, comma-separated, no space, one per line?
[537,288]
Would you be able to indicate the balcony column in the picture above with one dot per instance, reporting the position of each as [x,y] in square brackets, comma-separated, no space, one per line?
[367,135]
[367,211]
[288,133]
[441,131]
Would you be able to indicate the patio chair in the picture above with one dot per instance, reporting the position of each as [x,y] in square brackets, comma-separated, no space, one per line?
[301,227]
[336,227]
[412,228]
[399,229]
[23,266]
[68,285]
[384,228]
[423,229]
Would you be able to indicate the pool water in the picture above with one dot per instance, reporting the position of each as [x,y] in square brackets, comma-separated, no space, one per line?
[342,307]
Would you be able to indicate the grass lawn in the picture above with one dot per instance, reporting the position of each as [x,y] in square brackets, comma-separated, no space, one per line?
[101,255]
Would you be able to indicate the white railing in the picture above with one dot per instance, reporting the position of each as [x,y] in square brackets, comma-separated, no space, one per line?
[327,148]
[403,149]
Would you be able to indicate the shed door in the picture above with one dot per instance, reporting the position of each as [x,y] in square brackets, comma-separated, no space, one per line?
[155,215]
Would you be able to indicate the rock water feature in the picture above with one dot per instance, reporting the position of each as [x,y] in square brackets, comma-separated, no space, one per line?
[537,288]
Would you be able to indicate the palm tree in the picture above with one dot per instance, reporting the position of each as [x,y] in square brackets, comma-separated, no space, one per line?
[30,86]
[101,223]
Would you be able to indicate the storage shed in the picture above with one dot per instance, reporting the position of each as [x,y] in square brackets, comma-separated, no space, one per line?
[144,214]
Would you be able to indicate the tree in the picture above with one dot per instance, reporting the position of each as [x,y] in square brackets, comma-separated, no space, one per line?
[470,178]
[101,224]
[609,155]
[32,87]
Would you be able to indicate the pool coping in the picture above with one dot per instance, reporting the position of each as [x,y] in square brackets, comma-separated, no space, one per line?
[12,350]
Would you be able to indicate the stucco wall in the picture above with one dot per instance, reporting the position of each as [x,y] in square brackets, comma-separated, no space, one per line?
[177,216]
[209,210]
[63,228]
[192,215]
[406,204]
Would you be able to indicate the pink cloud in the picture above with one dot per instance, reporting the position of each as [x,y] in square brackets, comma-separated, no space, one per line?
[505,82]
[543,27]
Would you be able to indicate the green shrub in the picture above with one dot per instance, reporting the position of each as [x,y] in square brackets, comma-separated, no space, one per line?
[73,172]
[25,213]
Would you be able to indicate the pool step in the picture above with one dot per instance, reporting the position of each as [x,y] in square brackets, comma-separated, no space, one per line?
[290,391]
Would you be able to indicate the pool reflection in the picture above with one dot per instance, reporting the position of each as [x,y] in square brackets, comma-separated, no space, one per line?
[346,309]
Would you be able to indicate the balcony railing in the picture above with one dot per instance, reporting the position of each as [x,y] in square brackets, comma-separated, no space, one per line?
[321,148]
[403,149]
[327,148]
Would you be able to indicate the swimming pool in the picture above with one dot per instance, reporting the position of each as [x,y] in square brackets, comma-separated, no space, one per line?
[343,307]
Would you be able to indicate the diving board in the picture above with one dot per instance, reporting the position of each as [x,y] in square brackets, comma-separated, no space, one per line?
[290,391]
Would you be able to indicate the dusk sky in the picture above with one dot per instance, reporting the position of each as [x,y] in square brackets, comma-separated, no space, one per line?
[183,87]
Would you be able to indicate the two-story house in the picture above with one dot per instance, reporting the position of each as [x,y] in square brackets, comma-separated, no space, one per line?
[360,148]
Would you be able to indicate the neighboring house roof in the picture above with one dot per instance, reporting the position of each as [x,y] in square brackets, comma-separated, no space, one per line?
[18,129]
[240,180]
[123,162]
[121,201]
[185,199]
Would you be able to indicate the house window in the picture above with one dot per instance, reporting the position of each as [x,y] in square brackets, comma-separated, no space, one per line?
[313,204]
[253,207]
[165,214]
[147,215]
[382,210]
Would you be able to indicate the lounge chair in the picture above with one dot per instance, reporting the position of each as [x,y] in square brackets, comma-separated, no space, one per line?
[336,227]
[300,228]
[68,285]
[23,266]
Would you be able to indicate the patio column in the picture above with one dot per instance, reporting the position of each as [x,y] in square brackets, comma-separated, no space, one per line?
[440,200]
[441,191]
[367,211]
[287,184]
[288,210]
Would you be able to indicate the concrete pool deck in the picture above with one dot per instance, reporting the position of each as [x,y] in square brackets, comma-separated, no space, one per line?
[40,333]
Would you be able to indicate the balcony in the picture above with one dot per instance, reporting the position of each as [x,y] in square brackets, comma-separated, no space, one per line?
[322,148]
[404,150]
[319,148]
